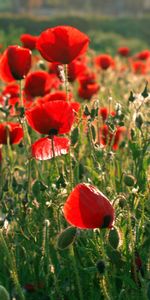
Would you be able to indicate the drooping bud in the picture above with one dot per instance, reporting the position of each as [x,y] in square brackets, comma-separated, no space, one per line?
[3,293]
[113,238]
[66,238]
[139,120]
[129,180]
[101,267]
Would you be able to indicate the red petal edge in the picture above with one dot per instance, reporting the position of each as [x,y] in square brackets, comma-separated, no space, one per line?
[42,148]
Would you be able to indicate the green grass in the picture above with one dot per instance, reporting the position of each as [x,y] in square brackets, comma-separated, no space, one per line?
[106,33]
[32,193]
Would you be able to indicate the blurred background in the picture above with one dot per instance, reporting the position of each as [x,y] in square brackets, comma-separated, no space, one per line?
[48,7]
[109,23]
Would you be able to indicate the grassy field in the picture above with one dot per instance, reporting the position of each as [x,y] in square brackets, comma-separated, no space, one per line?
[44,255]
[106,33]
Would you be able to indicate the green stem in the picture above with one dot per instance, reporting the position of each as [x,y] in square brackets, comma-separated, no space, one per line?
[54,156]
[76,273]
[66,81]
[12,267]
[67,93]
[27,141]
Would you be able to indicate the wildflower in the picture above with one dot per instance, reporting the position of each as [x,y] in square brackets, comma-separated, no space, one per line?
[62,44]
[87,207]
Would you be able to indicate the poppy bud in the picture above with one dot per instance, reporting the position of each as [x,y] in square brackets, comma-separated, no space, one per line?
[113,238]
[3,293]
[101,267]
[131,97]
[139,120]
[129,180]
[86,111]
[66,238]
[145,91]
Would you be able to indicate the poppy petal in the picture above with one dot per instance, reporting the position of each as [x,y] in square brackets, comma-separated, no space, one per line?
[51,115]
[42,149]
[70,40]
[87,207]
[15,133]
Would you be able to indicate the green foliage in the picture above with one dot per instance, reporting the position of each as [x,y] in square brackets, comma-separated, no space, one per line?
[106,33]
[97,264]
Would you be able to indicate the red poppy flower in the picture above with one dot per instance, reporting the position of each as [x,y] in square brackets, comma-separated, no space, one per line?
[103,111]
[104,61]
[87,207]
[51,117]
[39,83]
[88,86]
[107,137]
[12,89]
[88,91]
[143,55]
[124,51]
[15,63]
[58,95]
[139,67]
[14,130]
[10,92]
[87,78]
[62,44]
[75,69]
[42,149]
[53,68]
[28,41]
[75,106]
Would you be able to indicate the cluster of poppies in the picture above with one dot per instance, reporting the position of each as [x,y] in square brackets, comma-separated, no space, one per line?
[51,111]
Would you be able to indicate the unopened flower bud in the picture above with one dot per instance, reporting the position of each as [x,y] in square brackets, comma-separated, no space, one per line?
[101,267]
[129,180]
[139,120]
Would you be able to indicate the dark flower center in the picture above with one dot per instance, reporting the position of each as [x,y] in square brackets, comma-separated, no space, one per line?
[106,221]
[53,131]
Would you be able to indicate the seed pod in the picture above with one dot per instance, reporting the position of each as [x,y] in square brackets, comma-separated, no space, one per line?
[121,201]
[113,238]
[101,267]
[3,293]
[93,132]
[66,238]
[114,256]
[145,91]
[139,120]
[75,136]
[86,111]
[131,97]
[129,180]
